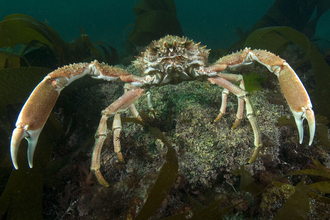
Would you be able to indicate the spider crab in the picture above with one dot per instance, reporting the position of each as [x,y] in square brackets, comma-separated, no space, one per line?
[170,60]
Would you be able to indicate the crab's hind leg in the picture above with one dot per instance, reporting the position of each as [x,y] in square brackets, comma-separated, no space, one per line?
[115,108]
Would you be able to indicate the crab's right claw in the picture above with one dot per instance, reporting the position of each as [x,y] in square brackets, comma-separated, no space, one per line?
[309,115]
[33,117]
[37,108]
[17,136]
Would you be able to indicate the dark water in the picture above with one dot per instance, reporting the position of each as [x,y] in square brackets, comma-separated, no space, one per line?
[213,23]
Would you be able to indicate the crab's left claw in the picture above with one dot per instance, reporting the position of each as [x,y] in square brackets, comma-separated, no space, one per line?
[297,98]
[293,90]
[299,118]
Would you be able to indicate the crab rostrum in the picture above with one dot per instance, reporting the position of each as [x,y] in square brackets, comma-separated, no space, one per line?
[170,60]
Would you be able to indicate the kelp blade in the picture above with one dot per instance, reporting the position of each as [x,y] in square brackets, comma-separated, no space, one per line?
[22,29]
[297,206]
[8,60]
[165,180]
[22,197]
[16,84]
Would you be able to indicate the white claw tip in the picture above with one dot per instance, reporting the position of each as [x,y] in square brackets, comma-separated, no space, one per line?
[18,134]
[309,115]
[32,137]
[32,143]
[299,122]
[299,117]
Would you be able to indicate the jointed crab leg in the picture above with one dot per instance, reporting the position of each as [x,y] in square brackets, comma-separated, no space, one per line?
[293,90]
[240,107]
[224,95]
[128,87]
[114,109]
[37,108]
[241,94]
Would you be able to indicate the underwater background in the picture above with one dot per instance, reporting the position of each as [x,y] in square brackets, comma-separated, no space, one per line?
[179,163]
[213,23]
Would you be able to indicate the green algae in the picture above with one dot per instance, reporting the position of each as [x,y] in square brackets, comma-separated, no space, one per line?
[253,81]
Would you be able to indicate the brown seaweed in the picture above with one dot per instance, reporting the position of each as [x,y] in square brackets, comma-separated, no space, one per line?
[20,29]
[17,83]
[22,197]
[297,206]
[297,14]
[165,180]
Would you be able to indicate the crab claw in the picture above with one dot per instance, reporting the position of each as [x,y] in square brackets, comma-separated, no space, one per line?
[17,136]
[33,117]
[299,118]
[31,136]
[37,108]
[297,98]
[292,88]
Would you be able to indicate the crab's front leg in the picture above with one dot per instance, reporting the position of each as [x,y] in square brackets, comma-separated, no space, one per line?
[114,109]
[293,90]
[225,92]
[242,96]
[37,108]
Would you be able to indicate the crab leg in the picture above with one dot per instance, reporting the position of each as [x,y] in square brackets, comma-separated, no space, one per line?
[37,108]
[115,108]
[241,94]
[223,106]
[293,90]
[240,107]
